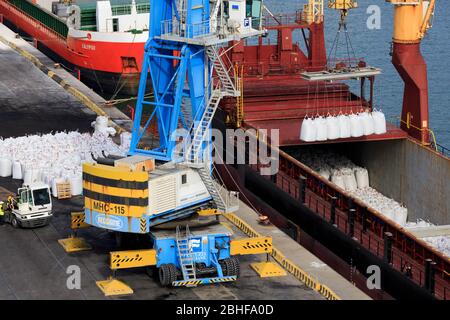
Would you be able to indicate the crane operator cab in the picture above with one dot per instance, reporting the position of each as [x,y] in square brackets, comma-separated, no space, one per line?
[242,15]
[228,20]
[31,208]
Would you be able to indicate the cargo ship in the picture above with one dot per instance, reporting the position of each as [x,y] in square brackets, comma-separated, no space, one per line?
[284,85]
[101,43]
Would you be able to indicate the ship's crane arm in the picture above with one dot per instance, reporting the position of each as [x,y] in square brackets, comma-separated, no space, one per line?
[412,19]
[427,21]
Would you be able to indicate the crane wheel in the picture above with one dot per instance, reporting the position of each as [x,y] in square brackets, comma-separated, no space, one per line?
[167,274]
[230,267]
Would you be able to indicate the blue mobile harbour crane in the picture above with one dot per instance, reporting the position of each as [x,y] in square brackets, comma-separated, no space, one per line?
[157,186]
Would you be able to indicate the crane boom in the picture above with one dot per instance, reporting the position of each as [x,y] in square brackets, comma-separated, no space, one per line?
[428,17]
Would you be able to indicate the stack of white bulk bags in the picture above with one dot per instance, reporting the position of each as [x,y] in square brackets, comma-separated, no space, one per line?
[52,157]
[348,176]
[441,243]
[342,126]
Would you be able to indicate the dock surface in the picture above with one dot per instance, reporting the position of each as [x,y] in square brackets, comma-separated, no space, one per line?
[31,102]
[33,266]
[28,88]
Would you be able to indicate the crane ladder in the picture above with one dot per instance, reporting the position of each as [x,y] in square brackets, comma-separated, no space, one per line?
[185,254]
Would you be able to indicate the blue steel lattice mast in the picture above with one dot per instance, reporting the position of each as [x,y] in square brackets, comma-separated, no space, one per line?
[180,55]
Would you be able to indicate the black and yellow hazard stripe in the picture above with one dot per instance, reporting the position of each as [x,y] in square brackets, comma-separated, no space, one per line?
[123,200]
[218,280]
[115,190]
[187,283]
[143,225]
[115,173]
[132,259]
[257,245]
[77,221]
[120,191]
[115,183]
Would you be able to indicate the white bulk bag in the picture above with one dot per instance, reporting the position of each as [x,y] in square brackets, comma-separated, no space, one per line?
[311,134]
[362,178]
[401,215]
[101,121]
[387,212]
[332,128]
[111,131]
[325,173]
[5,167]
[356,128]
[344,127]
[306,123]
[308,130]
[125,139]
[379,122]
[28,175]
[338,180]
[367,122]
[321,125]
[17,170]
[350,181]
[76,185]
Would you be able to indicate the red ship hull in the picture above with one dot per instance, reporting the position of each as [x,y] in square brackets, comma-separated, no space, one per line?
[108,62]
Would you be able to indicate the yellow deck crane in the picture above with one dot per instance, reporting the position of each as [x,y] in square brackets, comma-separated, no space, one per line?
[412,19]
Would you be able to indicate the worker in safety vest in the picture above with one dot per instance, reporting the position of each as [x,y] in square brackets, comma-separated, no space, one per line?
[2,212]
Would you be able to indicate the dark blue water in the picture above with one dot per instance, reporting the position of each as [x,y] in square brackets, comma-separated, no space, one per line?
[374,46]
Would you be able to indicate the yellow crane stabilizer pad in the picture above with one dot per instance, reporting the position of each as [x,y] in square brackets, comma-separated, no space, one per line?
[114,287]
[77,221]
[268,269]
[208,212]
[132,259]
[73,244]
[256,245]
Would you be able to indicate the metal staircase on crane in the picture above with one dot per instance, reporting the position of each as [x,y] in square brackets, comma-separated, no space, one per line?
[227,84]
[210,184]
[201,130]
[185,254]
